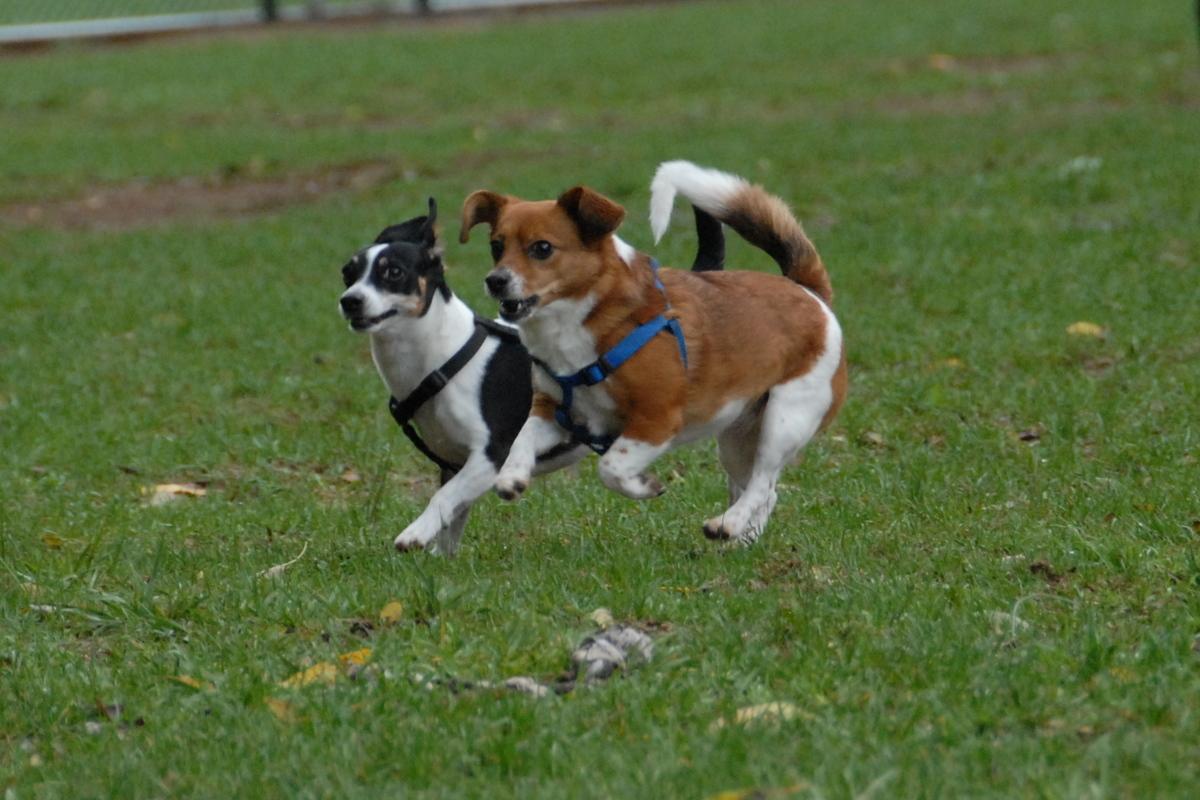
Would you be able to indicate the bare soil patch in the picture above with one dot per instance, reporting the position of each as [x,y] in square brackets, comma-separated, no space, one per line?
[140,204]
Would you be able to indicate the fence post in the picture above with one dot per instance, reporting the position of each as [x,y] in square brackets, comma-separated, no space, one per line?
[421,6]
[270,11]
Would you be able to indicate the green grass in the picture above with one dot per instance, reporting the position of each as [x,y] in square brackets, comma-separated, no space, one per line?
[964,234]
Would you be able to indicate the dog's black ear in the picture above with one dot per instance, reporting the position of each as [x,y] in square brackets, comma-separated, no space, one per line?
[480,206]
[429,234]
[432,211]
[594,214]
[411,231]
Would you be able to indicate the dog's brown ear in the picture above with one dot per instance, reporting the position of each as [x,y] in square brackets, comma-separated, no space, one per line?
[594,214]
[481,206]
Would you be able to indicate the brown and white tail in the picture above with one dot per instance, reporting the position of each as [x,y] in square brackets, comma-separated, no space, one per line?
[759,217]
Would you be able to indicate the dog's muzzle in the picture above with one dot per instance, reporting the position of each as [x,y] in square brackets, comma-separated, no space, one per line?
[352,310]
[514,310]
[501,286]
[366,323]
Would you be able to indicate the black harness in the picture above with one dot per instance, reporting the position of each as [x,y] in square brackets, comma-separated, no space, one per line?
[404,410]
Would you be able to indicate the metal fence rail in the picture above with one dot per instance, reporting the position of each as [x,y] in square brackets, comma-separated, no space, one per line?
[52,20]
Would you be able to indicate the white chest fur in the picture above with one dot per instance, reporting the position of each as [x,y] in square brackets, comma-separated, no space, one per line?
[557,336]
[405,353]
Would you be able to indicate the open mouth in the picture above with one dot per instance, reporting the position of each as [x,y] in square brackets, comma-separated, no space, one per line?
[513,310]
[366,323]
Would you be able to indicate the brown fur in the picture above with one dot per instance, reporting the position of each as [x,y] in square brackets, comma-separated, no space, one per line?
[765,220]
[746,331]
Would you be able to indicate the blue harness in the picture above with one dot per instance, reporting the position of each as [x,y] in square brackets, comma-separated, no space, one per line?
[608,363]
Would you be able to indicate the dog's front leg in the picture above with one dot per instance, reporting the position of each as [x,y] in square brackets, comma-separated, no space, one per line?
[623,467]
[453,499]
[539,433]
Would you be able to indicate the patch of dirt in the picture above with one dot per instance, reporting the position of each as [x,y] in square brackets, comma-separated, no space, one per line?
[142,204]
[1023,64]
[981,101]
[972,102]
[1046,572]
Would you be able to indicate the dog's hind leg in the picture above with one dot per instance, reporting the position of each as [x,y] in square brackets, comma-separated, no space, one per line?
[446,542]
[449,502]
[792,416]
[736,446]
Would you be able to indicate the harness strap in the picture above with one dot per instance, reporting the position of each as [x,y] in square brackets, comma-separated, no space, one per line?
[404,410]
[608,363]
[501,331]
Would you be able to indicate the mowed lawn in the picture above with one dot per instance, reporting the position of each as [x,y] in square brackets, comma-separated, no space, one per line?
[983,581]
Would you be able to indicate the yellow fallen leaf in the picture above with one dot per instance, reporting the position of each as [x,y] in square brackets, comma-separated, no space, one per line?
[602,617]
[874,439]
[322,672]
[53,541]
[163,493]
[776,711]
[941,61]
[282,709]
[391,613]
[1084,328]
[194,683]
[950,363]
[356,657]
[1123,674]
[760,793]
[188,489]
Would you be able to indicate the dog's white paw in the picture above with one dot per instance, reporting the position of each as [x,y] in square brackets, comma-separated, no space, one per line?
[727,528]
[417,536]
[637,487]
[730,527]
[511,487]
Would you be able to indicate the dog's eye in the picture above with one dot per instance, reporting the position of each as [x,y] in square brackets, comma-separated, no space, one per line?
[541,250]
[497,249]
[392,273]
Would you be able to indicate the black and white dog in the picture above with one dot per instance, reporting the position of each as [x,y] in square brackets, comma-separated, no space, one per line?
[464,381]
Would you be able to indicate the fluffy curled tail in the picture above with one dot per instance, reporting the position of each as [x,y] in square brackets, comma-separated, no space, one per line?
[759,217]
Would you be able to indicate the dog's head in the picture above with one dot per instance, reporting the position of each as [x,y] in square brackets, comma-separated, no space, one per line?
[544,250]
[396,277]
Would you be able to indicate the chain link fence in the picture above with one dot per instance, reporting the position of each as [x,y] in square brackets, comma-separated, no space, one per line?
[25,20]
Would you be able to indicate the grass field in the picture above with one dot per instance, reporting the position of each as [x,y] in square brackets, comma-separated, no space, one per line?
[978,176]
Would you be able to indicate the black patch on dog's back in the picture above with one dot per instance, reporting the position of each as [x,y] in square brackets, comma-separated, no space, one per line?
[505,397]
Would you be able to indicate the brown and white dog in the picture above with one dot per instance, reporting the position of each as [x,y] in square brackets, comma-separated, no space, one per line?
[765,366]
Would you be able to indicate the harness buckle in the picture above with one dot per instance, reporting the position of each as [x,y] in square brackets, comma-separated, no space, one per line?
[596,372]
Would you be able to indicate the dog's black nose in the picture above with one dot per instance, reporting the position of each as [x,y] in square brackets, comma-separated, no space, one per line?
[351,305]
[496,282]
